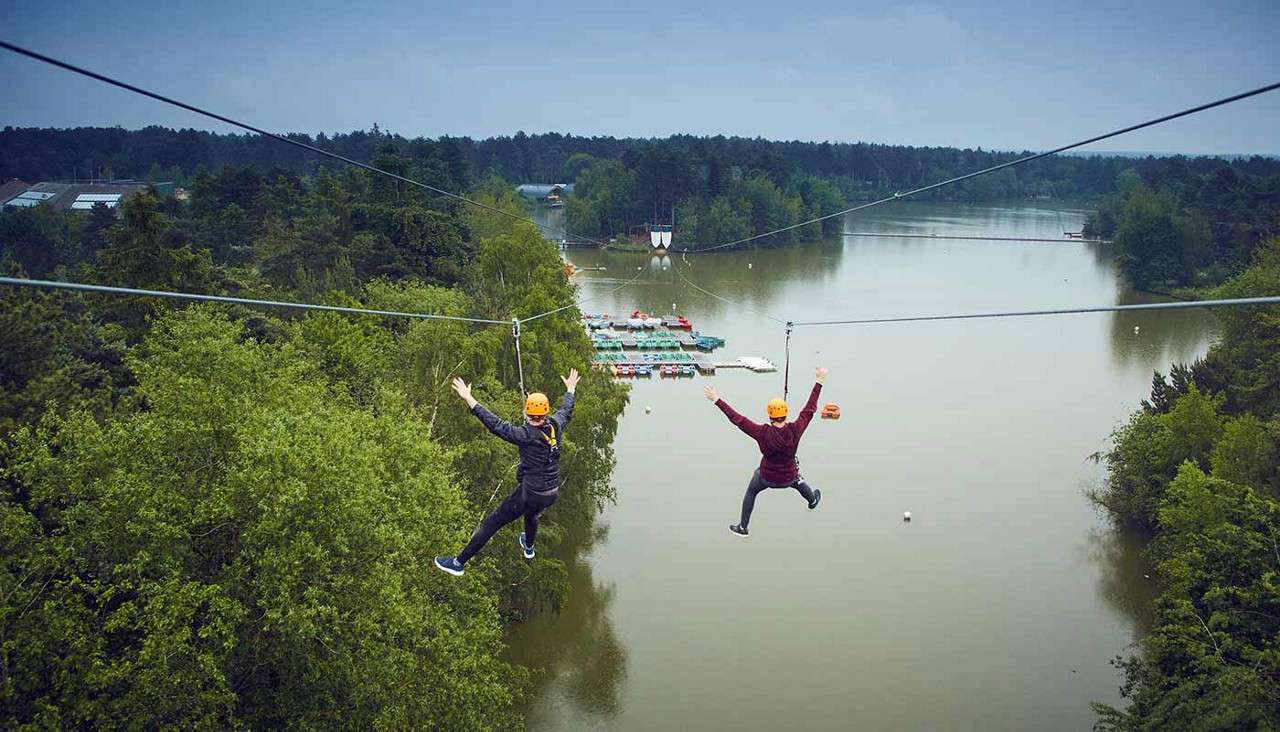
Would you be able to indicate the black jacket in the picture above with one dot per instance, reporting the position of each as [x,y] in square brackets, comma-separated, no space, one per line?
[539,470]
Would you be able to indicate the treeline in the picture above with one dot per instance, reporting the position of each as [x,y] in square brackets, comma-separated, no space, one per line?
[1177,226]
[222,517]
[718,186]
[1198,468]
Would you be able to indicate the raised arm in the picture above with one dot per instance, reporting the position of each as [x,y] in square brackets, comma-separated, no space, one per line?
[565,412]
[811,406]
[751,429]
[491,421]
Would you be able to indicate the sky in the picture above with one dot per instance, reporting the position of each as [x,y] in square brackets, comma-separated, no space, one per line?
[997,75]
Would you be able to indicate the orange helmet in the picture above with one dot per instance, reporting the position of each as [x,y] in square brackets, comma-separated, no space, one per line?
[537,405]
[777,408]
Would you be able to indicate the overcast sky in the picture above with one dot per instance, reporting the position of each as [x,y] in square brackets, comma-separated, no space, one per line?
[1005,75]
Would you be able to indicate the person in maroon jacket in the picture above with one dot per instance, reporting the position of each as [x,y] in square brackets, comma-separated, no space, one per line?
[778,441]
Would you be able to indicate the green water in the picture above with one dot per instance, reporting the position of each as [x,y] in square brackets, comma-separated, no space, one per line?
[997,607]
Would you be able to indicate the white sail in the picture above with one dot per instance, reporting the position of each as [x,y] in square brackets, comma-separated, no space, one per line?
[666,237]
[655,238]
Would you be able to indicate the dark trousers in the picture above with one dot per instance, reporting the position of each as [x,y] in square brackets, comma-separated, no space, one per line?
[512,507]
[758,484]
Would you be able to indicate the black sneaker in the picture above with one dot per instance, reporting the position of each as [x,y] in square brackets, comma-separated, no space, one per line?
[736,529]
[817,496]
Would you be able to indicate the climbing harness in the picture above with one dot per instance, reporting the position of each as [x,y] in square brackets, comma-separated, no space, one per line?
[551,440]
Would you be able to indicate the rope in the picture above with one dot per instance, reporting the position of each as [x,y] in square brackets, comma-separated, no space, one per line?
[288,141]
[1271,300]
[583,301]
[725,300]
[48,284]
[786,371]
[515,333]
[1002,166]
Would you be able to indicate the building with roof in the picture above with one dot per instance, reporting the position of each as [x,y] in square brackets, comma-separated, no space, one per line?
[12,188]
[550,193]
[78,196]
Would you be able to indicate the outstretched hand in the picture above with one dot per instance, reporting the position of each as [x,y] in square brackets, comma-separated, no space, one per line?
[712,396]
[821,376]
[464,391]
[570,381]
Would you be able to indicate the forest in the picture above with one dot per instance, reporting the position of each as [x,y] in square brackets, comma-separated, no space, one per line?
[717,189]
[1197,471]
[222,517]
[217,516]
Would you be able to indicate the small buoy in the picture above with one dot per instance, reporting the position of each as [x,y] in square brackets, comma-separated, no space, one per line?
[1135,329]
[906,515]
[647,409]
[1064,279]
[748,265]
[1146,576]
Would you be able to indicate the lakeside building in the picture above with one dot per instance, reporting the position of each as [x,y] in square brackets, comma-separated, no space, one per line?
[551,194]
[75,196]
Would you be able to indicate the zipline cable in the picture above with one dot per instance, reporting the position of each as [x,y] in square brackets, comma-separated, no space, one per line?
[761,313]
[1270,300]
[1002,166]
[281,138]
[584,300]
[82,287]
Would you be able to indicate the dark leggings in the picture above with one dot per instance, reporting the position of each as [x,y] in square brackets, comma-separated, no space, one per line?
[513,507]
[758,484]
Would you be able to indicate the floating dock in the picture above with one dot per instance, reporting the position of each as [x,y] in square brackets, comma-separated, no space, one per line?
[641,346]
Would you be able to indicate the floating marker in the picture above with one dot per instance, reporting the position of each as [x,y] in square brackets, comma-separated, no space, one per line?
[1135,329]
[647,409]
[906,515]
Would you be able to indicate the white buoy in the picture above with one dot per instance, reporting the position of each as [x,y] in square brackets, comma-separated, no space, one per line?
[906,515]
[647,409]
[748,265]
[1135,329]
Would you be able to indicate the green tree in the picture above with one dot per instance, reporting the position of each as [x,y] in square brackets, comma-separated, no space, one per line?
[1213,658]
[1248,453]
[219,561]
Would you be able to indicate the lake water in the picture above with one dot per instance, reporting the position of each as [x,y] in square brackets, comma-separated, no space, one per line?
[999,606]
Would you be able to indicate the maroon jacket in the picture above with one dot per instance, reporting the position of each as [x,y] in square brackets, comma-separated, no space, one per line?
[777,444]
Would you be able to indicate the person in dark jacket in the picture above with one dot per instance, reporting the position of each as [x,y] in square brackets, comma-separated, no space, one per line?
[778,441]
[537,478]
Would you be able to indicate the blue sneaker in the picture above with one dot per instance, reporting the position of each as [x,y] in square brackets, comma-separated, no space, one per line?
[450,565]
[527,548]
[737,530]
[817,496]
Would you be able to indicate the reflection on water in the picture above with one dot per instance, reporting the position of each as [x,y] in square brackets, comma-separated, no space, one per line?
[1160,336]
[1127,580]
[999,606]
[578,657]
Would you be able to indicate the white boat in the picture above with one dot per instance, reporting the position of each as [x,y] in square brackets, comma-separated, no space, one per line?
[660,237]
